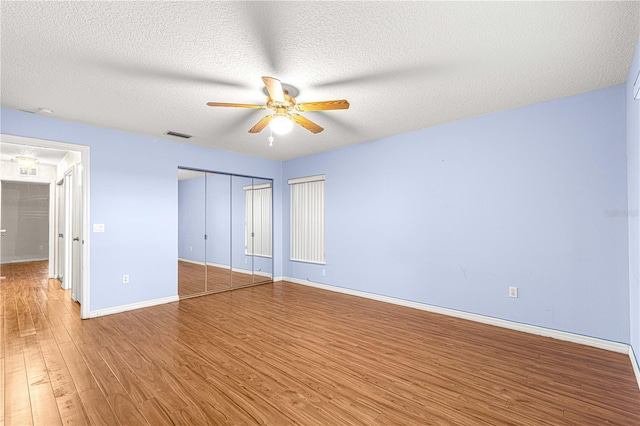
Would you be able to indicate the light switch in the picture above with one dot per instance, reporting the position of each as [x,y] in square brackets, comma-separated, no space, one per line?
[98,227]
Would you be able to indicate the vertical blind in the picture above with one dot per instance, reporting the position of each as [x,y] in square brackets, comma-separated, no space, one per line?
[258,220]
[307,219]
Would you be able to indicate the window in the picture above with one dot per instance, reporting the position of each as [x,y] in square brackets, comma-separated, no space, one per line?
[258,220]
[307,219]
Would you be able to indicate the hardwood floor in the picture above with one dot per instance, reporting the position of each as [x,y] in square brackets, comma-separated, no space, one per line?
[284,354]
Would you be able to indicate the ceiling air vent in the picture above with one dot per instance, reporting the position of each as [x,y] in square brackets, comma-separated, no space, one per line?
[178,134]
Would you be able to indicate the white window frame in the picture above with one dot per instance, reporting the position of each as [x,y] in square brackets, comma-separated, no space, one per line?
[307,222]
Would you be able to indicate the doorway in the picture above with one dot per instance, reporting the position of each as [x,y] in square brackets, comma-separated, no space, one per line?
[69,230]
[64,170]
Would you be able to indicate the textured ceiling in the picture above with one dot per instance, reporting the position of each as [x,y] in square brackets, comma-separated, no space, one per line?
[150,67]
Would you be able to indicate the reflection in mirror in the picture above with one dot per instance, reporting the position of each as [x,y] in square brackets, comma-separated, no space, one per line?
[258,217]
[191,225]
[241,243]
[218,232]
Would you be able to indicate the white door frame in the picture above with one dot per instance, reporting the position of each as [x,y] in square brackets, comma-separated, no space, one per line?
[67,230]
[77,236]
[58,245]
[84,175]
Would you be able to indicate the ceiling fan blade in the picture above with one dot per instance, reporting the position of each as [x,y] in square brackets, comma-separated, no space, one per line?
[226,104]
[306,123]
[260,125]
[274,88]
[323,106]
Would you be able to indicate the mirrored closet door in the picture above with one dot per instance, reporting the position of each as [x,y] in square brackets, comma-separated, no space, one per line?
[191,225]
[259,227]
[218,232]
[224,232]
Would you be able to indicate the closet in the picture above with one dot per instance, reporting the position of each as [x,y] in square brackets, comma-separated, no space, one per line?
[224,231]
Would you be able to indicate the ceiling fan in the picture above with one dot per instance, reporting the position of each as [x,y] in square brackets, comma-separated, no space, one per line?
[285,109]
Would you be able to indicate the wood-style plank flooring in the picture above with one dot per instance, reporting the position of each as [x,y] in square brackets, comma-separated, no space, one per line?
[285,354]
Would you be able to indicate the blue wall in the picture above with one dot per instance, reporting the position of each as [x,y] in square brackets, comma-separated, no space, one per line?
[454,215]
[138,202]
[633,162]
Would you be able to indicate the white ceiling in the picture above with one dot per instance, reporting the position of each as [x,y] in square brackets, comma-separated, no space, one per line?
[150,67]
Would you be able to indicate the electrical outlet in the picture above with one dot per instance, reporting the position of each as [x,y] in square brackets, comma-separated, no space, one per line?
[513,292]
[324,272]
[125,279]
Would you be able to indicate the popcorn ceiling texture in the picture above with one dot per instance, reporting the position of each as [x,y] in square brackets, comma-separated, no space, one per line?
[149,67]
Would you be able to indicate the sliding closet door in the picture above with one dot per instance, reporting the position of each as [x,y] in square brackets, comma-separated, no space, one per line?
[241,241]
[218,224]
[251,231]
[191,232]
[259,211]
[224,232]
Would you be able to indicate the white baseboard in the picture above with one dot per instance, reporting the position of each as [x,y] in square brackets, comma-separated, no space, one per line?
[250,272]
[182,259]
[132,306]
[259,273]
[634,364]
[512,325]
[242,271]
[5,262]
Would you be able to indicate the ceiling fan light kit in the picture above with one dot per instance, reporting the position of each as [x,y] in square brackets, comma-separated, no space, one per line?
[281,124]
[281,101]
